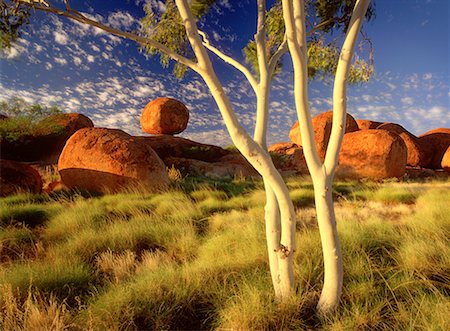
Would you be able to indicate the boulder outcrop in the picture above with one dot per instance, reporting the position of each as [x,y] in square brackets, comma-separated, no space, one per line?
[368,124]
[170,146]
[16,177]
[445,163]
[417,155]
[108,160]
[288,158]
[322,125]
[164,116]
[46,144]
[436,142]
[375,154]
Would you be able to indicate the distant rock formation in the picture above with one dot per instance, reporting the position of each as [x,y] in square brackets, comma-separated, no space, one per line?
[16,177]
[375,154]
[322,124]
[164,116]
[108,160]
[45,145]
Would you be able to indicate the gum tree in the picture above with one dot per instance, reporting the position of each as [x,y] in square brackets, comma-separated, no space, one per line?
[174,34]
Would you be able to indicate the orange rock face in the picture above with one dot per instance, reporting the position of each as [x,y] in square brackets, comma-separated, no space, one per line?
[375,154]
[288,157]
[417,155]
[322,124]
[164,116]
[104,160]
[445,163]
[16,176]
[436,142]
[367,124]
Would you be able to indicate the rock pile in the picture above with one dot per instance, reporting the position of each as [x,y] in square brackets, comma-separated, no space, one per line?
[16,176]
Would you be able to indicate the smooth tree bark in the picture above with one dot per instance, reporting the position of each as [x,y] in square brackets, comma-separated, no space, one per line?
[322,173]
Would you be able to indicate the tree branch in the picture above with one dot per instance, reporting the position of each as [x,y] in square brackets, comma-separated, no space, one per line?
[77,16]
[227,59]
[282,49]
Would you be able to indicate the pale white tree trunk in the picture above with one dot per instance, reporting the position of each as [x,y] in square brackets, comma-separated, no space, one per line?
[257,156]
[322,173]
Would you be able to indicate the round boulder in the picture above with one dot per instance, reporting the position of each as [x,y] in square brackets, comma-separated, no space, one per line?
[375,154]
[436,142]
[107,160]
[417,156]
[322,124]
[16,177]
[367,124]
[164,116]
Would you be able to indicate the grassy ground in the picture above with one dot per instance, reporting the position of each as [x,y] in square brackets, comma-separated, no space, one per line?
[195,258]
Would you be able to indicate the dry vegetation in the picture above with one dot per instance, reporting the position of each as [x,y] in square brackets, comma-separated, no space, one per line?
[195,258]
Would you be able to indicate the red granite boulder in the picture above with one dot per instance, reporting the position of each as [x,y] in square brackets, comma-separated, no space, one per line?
[417,155]
[108,160]
[16,177]
[288,158]
[367,124]
[436,142]
[322,124]
[375,154]
[164,116]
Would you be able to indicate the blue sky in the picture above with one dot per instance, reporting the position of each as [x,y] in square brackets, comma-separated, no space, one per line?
[84,70]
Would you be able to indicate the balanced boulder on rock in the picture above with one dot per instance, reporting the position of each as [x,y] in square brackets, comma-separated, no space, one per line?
[322,125]
[375,154]
[164,116]
[16,177]
[104,160]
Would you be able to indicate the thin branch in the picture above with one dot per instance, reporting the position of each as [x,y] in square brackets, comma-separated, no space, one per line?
[77,16]
[227,59]
[282,49]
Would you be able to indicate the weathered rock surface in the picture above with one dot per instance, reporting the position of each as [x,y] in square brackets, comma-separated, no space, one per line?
[170,146]
[436,142]
[375,154]
[322,124]
[103,160]
[417,155]
[228,166]
[288,158]
[16,176]
[45,146]
[367,124]
[164,116]
[445,163]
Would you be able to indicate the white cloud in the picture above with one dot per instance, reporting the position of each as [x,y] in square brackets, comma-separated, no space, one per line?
[77,60]
[121,20]
[61,37]
[60,61]
[90,58]
[407,101]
